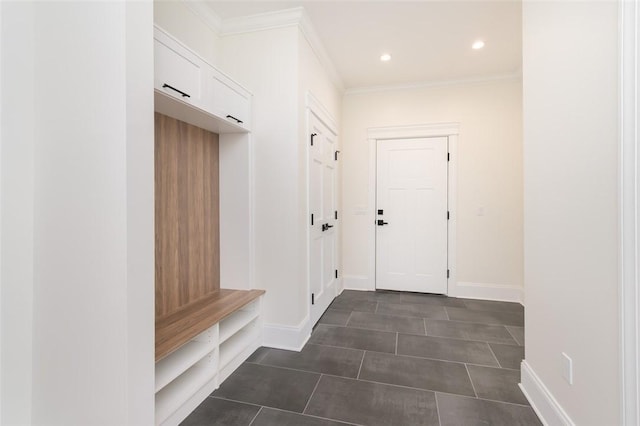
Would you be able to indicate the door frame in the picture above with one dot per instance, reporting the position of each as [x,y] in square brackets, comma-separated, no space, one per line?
[448,130]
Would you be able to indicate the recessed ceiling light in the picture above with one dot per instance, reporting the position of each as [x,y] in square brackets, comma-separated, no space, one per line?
[478,44]
[385,57]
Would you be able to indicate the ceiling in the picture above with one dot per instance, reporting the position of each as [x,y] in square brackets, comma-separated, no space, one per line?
[430,41]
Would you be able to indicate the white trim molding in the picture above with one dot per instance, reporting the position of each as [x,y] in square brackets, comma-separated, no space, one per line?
[205,13]
[629,195]
[358,282]
[484,291]
[291,338]
[451,132]
[542,401]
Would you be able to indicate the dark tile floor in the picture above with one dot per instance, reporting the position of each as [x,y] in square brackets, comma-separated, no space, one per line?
[386,358]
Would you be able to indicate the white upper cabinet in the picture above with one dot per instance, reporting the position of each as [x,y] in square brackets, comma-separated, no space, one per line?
[177,73]
[191,90]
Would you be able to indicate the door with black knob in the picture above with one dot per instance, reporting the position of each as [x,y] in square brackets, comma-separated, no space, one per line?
[322,205]
[411,215]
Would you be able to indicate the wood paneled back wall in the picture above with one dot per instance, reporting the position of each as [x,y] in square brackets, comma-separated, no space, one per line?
[187,214]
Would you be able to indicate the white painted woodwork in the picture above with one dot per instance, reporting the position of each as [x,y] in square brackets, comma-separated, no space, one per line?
[322,205]
[214,100]
[188,375]
[411,250]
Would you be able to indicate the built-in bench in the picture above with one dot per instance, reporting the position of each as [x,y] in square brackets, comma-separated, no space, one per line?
[199,346]
[180,327]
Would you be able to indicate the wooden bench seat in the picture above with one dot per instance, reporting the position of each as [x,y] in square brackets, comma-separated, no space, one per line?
[178,328]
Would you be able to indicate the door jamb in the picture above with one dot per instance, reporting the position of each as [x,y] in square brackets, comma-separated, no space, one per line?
[448,130]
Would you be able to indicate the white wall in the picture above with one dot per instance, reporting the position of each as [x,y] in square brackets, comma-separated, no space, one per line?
[570,188]
[181,19]
[85,179]
[489,247]
[17,167]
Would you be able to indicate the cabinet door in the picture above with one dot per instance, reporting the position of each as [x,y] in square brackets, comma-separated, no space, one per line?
[177,74]
[227,101]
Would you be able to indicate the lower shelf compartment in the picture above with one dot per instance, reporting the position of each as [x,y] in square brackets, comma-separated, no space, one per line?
[176,393]
[235,344]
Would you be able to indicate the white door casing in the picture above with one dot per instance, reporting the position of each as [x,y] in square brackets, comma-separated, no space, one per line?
[411,215]
[375,134]
[323,222]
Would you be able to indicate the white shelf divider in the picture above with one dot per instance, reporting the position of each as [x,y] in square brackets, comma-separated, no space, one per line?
[235,344]
[235,322]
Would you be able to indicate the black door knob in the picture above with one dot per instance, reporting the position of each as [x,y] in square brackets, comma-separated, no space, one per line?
[382,222]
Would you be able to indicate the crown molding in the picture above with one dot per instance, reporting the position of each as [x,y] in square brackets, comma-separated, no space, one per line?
[436,83]
[206,14]
[262,21]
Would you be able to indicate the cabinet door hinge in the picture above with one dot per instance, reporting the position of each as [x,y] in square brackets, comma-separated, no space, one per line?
[448,156]
[311,218]
[447,214]
[313,299]
[447,273]
[335,214]
[313,135]
[336,273]
[335,155]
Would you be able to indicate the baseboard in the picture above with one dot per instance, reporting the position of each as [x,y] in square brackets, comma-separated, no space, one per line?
[504,293]
[542,401]
[292,338]
[358,282]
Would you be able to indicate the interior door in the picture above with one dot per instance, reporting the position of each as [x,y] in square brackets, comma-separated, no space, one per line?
[411,215]
[323,220]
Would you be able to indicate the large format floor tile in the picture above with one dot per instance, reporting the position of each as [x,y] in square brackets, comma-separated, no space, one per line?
[387,323]
[508,356]
[463,411]
[412,310]
[269,386]
[469,331]
[319,359]
[428,374]
[372,404]
[446,349]
[486,317]
[355,338]
[271,417]
[219,412]
[386,358]
[497,384]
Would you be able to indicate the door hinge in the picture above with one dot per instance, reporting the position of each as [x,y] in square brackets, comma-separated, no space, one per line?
[448,155]
[311,218]
[447,214]
[335,214]
[313,300]
[336,273]
[447,273]
[313,135]
[335,155]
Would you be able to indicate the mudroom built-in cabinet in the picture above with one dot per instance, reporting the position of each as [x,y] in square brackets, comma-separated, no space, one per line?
[207,315]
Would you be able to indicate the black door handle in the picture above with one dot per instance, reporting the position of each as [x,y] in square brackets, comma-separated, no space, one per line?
[382,222]
[233,118]
[184,95]
[326,227]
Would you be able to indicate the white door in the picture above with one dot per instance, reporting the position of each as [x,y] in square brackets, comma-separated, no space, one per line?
[411,215]
[323,220]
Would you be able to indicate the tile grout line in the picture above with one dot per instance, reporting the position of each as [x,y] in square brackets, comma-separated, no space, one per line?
[471,380]
[511,334]
[361,362]
[348,319]
[446,312]
[256,416]
[311,396]
[437,409]
[397,334]
[424,322]
[313,416]
[494,355]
